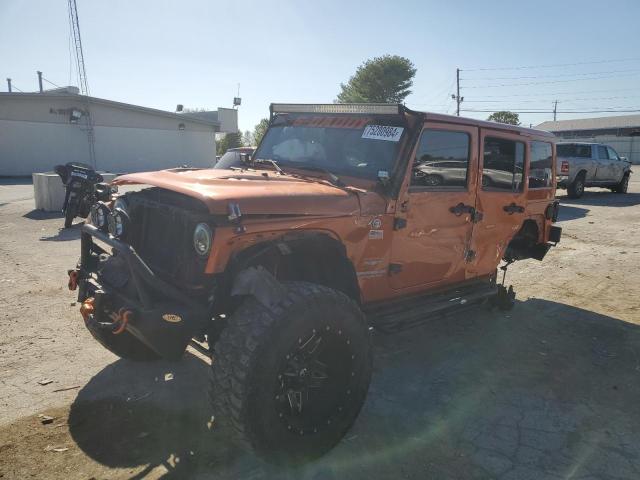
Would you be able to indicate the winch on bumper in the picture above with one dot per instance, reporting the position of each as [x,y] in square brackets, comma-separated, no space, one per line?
[119,292]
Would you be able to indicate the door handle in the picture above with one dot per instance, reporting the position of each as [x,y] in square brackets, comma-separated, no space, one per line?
[513,208]
[461,208]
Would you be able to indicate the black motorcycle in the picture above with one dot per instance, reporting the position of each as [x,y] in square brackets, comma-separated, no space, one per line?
[80,182]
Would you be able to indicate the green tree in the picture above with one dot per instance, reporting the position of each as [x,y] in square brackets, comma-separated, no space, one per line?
[505,116]
[385,79]
[230,140]
[259,130]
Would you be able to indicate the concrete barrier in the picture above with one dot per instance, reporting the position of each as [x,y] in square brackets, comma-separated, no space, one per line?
[48,190]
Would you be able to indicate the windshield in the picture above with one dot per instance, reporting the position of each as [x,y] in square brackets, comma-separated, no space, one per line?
[573,150]
[352,146]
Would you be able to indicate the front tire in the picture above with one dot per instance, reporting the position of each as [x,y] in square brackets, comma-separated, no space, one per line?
[623,186]
[292,378]
[69,215]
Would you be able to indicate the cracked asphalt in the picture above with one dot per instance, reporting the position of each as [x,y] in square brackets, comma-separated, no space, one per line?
[548,390]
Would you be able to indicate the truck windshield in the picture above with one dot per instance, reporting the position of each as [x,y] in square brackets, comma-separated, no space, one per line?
[573,150]
[353,146]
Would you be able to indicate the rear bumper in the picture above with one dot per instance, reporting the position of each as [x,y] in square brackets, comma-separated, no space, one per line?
[162,317]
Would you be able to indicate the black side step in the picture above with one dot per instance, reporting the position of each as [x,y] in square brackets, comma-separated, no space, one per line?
[391,317]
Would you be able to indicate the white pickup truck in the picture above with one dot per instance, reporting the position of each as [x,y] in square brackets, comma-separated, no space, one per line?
[581,165]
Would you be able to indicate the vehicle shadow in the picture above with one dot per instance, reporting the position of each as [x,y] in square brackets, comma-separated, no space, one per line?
[64,234]
[42,215]
[542,391]
[602,198]
[568,212]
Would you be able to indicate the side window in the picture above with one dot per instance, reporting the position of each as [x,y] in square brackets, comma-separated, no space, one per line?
[540,165]
[503,165]
[442,159]
[602,153]
[612,154]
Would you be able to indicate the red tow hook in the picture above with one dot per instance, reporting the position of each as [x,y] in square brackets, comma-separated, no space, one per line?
[73,279]
[120,320]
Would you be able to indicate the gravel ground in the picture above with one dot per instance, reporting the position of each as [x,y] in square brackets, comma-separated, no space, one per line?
[548,390]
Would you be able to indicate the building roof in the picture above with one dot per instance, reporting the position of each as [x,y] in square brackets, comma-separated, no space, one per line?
[621,121]
[64,93]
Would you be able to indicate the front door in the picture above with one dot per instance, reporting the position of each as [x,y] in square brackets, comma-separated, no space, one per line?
[430,248]
[501,197]
[603,173]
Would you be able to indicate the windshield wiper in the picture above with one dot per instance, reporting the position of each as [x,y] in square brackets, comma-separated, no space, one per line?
[268,161]
[333,178]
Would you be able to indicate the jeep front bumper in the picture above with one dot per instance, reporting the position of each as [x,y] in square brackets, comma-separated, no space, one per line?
[160,315]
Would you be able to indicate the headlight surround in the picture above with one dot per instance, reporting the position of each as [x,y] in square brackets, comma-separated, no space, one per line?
[99,215]
[202,239]
[118,223]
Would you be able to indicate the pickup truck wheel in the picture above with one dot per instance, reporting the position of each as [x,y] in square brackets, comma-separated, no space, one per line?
[292,378]
[623,186]
[576,189]
[124,345]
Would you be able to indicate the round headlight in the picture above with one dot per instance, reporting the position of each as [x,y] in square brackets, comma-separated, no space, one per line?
[118,223]
[202,239]
[99,214]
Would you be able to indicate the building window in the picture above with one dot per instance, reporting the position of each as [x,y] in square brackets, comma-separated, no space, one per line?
[540,165]
[442,160]
[503,165]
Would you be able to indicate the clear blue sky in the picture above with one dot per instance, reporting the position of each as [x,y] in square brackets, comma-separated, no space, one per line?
[161,53]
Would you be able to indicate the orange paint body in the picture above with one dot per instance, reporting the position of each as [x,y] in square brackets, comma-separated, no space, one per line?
[414,230]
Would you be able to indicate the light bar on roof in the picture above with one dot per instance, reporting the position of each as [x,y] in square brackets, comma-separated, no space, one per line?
[371,108]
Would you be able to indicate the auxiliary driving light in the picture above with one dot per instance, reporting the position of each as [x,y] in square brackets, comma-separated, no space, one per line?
[118,223]
[99,214]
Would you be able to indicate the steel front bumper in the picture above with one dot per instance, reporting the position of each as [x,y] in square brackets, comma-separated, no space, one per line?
[119,292]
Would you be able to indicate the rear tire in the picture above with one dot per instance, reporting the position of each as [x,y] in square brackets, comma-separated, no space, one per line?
[576,188]
[623,186]
[124,345]
[292,378]
[69,215]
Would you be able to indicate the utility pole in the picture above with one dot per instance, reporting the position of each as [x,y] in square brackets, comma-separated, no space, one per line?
[40,81]
[9,84]
[555,110]
[457,96]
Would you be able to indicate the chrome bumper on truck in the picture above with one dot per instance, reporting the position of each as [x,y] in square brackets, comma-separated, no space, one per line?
[120,292]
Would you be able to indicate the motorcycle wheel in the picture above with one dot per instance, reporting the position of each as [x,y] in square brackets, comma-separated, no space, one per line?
[69,215]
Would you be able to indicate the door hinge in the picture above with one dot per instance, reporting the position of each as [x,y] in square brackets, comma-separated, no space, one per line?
[399,223]
[395,268]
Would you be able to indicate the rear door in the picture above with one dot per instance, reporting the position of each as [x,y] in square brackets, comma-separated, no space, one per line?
[430,249]
[500,199]
[603,173]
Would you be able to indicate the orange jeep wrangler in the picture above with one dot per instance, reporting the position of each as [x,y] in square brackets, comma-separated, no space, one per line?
[348,218]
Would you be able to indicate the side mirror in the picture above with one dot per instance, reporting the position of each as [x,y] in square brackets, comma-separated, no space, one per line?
[624,159]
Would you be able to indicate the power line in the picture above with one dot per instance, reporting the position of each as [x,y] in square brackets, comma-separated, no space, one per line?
[559,111]
[551,82]
[559,93]
[551,99]
[552,65]
[555,76]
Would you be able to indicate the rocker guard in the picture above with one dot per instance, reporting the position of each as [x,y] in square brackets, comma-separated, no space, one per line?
[164,318]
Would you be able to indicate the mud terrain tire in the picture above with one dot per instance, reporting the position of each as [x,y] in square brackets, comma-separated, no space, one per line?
[123,345]
[576,188]
[291,379]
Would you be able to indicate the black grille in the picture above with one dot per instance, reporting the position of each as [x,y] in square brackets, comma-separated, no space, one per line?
[162,224]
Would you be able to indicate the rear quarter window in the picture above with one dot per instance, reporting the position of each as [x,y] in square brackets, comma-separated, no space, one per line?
[574,150]
[541,165]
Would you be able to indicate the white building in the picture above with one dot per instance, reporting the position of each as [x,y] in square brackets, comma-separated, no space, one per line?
[621,132]
[40,130]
